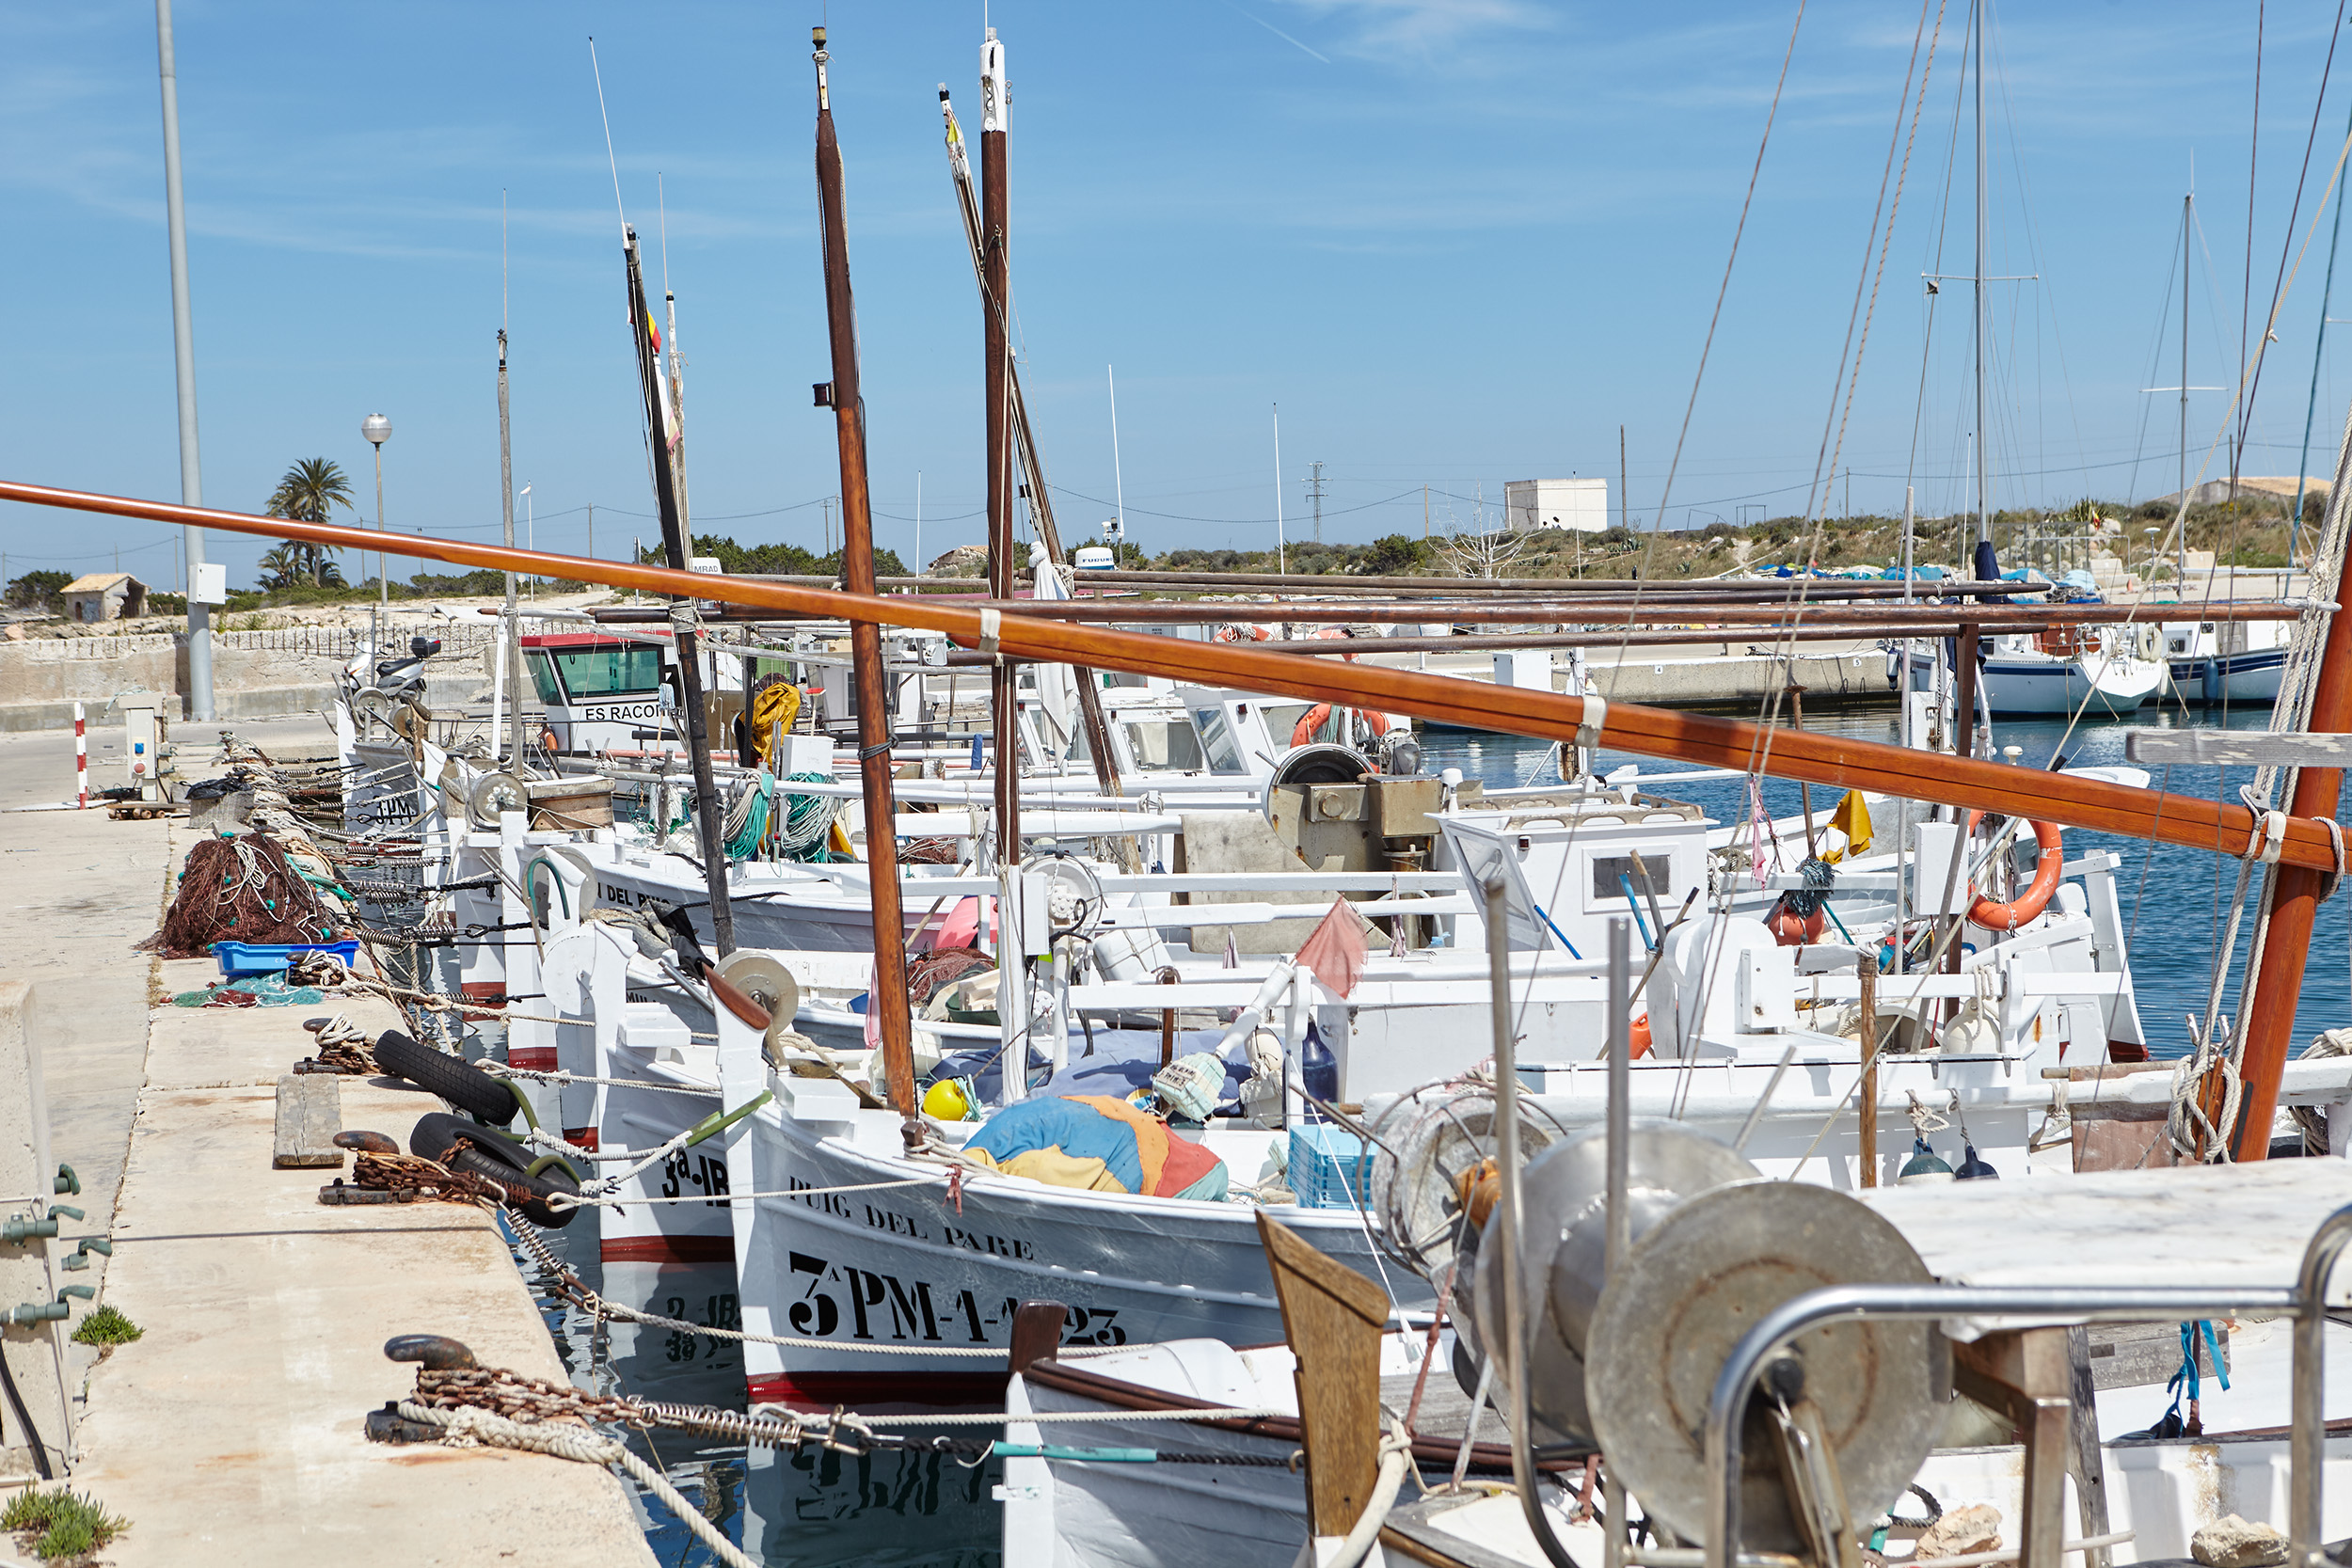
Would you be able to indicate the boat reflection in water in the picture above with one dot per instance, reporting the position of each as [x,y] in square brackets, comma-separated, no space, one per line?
[811,1508]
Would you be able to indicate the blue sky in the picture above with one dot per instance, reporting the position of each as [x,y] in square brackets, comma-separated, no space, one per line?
[1458,243]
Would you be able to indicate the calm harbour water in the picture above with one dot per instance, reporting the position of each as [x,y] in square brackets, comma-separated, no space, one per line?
[817,1510]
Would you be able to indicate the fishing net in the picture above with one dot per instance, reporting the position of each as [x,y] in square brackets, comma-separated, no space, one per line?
[241,889]
[928,972]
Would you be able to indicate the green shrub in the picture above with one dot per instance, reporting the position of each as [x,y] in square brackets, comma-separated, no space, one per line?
[63,1524]
[107,1327]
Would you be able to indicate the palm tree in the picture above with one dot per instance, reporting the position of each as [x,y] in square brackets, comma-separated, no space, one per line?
[309,493]
[281,565]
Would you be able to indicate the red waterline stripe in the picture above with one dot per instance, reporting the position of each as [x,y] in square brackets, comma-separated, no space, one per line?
[829,1390]
[668,1249]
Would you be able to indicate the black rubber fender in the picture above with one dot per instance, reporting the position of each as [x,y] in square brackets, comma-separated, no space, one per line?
[463,1084]
[437,1132]
[525,1193]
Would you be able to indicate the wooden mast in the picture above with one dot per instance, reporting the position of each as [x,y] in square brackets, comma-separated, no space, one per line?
[888,994]
[2216,826]
[1003,686]
[1032,466]
[709,828]
[2291,899]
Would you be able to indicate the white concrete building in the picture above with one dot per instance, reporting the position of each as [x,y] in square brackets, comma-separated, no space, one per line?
[1580,504]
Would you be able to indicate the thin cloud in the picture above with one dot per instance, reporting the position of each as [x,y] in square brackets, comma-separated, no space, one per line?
[1279,33]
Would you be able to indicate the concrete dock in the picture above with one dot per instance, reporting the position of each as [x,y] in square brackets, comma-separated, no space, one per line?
[231,1432]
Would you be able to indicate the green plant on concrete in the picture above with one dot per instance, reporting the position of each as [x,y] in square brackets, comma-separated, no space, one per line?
[63,1524]
[106,1327]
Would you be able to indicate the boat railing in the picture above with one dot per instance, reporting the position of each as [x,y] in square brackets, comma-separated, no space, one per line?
[2305,1302]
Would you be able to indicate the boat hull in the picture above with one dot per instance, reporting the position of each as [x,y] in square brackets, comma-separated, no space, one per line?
[896,1276]
[2249,680]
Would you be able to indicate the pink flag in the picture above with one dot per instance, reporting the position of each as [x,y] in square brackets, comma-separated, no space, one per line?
[1335,953]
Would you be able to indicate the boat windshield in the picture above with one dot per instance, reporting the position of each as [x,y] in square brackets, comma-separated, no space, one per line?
[1217,738]
[543,677]
[1165,743]
[609,672]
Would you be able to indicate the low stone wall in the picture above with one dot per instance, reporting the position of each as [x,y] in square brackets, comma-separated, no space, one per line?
[42,680]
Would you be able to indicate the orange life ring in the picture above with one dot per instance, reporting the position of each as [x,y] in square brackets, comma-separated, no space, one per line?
[1303,732]
[2008,917]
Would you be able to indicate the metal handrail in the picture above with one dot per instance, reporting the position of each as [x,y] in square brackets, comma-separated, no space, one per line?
[2096,1304]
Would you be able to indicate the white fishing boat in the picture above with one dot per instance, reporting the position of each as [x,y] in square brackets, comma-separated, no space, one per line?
[2230,663]
[2094,670]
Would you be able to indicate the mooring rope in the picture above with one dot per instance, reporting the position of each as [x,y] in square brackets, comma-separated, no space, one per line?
[470,1426]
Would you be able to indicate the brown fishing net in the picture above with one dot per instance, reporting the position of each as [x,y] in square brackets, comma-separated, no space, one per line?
[928,972]
[240,889]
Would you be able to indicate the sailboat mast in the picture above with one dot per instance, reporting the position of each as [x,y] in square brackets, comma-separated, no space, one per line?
[1984,515]
[2180,526]
[889,992]
[709,810]
[1004,687]
[1032,466]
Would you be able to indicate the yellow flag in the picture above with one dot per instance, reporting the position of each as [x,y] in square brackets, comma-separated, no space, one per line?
[1853,818]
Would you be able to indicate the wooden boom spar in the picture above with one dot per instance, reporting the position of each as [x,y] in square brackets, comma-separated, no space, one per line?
[2226,827]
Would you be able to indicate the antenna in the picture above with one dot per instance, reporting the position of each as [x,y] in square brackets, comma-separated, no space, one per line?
[1117,479]
[503,321]
[1314,493]
[610,162]
[661,208]
[1282,549]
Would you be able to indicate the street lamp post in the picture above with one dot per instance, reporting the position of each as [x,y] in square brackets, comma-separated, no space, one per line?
[377,430]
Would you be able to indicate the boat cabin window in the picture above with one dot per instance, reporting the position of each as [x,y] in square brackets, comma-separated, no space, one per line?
[1217,737]
[1613,874]
[543,677]
[628,670]
[1169,744]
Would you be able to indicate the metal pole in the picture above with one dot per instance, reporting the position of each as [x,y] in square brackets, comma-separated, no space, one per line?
[1866,967]
[513,619]
[1281,545]
[183,362]
[2311,408]
[383,562]
[1119,478]
[1620,1232]
[2179,520]
[1511,1353]
[2308,1445]
[1984,515]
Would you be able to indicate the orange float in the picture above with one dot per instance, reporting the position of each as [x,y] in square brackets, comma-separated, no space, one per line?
[1996,916]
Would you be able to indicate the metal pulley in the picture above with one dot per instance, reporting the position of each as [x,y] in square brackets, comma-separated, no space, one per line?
[767,982]
[1842,1418]
[1564,1198]
[495,794]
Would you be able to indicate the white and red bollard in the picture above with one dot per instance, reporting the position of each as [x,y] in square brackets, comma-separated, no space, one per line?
[81,762]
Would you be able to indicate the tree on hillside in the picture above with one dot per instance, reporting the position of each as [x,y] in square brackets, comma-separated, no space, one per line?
[307,493]
[39,591]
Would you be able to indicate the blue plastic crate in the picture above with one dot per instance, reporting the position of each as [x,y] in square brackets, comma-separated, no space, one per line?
[1329,1167]
[240,958]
